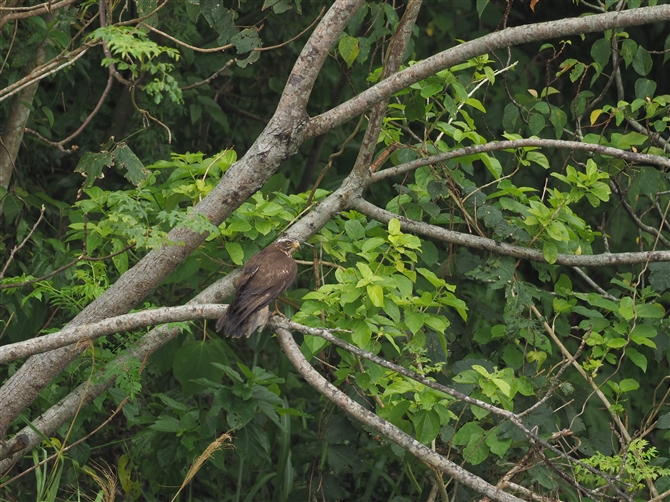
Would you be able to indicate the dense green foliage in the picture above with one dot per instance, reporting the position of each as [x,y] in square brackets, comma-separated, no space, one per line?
[500,328]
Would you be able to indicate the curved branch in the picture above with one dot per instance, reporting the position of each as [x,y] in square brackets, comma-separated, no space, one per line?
[502,248]
[483,45]
[118,324]
[392,432]
[521,143]
[87,121]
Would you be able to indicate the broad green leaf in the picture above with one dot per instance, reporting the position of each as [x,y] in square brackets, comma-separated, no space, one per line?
[194,360]
[539,158]
[642,333]
[468,430]
[361,333]
[628,385]
[91,165]
[136,173]
[642,61]
[601,51]
[394,226]
[640,360]
[550,252]
[427,425]
[650,310]
[645,89]
[165,423]
[236,252]
[476,450]
[414,321]
[616,343]
[626,308]
[349,49]
[376,295]
[498,446]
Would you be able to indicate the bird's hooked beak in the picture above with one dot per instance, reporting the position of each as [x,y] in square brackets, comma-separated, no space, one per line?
[295,245]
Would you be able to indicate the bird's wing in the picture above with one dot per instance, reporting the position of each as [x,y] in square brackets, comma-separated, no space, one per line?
[264,276]
[265,285]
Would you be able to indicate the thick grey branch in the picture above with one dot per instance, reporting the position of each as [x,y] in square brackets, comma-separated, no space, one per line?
[502,248]
[483,45]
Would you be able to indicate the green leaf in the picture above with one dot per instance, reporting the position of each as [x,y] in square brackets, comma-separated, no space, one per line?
[642,333]
[536,123]
[616,343]
[628,385]
[194,361]
[628,51]
[220,19]
[165,423]
[498,446]
[91,165]
[650,310]
[639,360]
[236,252]
[414,321]
[476,450]
[361,333]
[373,243]
[246,40]
[427,426]
[463,435]
[642,61]
[626,308]
[663,421]
[365,270]
[601,51]
[354,229]
[550,252]
[430,90]
[394,226]
[349,49]
[557,231]
[644,89]
[136,173]
[538,158]
[392,310]
[376,295]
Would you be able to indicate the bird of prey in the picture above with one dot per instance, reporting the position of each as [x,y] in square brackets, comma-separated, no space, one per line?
[265,275]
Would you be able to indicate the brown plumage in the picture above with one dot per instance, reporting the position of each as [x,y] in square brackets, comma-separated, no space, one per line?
[266,274]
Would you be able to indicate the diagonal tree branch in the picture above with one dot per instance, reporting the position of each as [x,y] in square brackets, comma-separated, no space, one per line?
[499,40]
[376,423]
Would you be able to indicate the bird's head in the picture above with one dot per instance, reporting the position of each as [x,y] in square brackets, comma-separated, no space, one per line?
[288,246]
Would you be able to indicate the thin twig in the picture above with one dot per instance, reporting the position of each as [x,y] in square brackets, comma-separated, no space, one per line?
[17,248]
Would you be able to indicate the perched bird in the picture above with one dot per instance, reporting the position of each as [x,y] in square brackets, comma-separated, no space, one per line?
[265,275]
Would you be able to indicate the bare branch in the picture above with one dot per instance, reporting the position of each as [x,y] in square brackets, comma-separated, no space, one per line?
[88,332]
[499,40]
[522,143]
[502,248]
